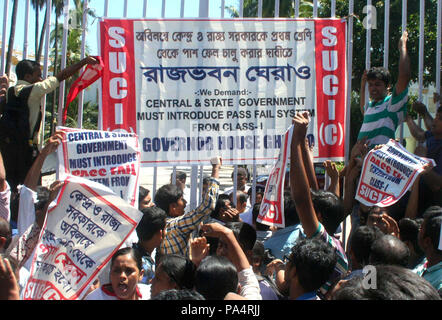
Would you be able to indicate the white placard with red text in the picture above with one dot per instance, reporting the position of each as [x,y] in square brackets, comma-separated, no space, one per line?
[271,212]
[109,158]
[387,174]
[192,88]
[82,231]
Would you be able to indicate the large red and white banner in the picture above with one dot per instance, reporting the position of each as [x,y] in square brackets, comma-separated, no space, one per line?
[83,229]
[193,89]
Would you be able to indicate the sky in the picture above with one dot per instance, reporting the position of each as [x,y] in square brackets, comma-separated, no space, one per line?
[116,9]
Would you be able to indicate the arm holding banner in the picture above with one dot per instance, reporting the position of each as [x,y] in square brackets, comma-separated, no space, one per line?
[299,185]
[22,247]
[415,131]
[413,200]
[421,109]
[71,70]
[33,175]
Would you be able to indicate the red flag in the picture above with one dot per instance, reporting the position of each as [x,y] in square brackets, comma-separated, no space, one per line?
[92,73]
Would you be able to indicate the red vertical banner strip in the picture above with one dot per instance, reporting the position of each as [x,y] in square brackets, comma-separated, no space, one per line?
[118,82]
[331,85]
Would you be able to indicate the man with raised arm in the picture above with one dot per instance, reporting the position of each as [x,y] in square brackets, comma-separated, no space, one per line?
[384,112]
[319,215]
[22,114]
[180,225]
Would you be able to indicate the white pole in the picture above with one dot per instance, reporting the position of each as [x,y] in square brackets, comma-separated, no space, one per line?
[83,54]
[106,8]
[386,32]
[368,45]
[404,27]
[296,8]
[125,9]
[260,8]
[276,8]
[182,9]
[25,43]
[349,75]
[145,9]
[348,113]
[63,60]
[315,8]
[333,9]
[223,6]
[46,67]
[163,9]
[5,25]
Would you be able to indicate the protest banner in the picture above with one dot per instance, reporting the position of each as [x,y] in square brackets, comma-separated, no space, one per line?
[84,227]
[109,158]
[92,73]
[192,88]
[271,212]
[387,174]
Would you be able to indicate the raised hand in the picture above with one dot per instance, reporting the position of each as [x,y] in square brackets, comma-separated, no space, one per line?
[300,121]
[199,249]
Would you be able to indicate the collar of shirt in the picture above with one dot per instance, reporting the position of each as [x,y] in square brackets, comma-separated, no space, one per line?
[434,268]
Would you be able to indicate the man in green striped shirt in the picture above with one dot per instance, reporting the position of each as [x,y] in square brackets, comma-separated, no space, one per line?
[384,112]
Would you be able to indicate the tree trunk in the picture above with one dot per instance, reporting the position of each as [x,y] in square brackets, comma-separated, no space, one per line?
[11,38]
[42,38]
[36,34]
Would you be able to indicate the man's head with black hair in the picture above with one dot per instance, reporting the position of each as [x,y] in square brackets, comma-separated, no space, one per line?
[244,234]
[329,209]
[150,229]
[174,294]
[222,204]
[242,178]
[144,198]
[389,250]
[378,80]
[29,71]
[215,277]
[241,200]
[409,234]
[429,234]
[259,194]
[392,283]
[361,241]
[180,179]
[310,265]
[170,198]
